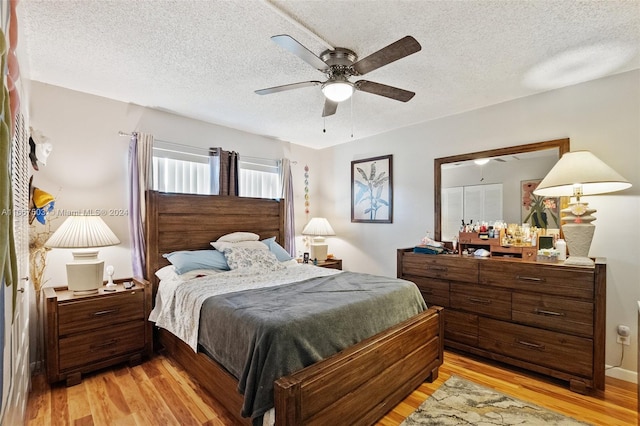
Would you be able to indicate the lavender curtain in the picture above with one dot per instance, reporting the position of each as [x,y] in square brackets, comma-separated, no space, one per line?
[289,218]
[140,178]
[224,172]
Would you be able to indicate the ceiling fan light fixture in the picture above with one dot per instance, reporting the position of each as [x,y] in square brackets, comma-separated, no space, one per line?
[337,91]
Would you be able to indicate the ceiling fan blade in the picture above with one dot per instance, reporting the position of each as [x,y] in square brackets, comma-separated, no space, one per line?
[398,50]
[384,90]
[292,86]
[330,108]
[292,45]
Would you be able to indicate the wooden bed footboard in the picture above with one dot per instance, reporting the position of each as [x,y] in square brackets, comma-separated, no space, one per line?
[361,383]
[365,381]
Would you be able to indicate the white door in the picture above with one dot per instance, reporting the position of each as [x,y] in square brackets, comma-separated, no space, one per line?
[16,374]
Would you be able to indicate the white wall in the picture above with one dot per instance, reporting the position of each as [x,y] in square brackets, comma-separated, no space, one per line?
[602,116]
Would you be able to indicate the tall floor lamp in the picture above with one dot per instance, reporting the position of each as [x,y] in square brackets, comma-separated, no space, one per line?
[576,174]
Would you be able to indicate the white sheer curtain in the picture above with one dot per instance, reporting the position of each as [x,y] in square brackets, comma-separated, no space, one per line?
[289,216]
[140,178]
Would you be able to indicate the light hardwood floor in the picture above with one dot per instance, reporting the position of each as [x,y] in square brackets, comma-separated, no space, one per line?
[159,392]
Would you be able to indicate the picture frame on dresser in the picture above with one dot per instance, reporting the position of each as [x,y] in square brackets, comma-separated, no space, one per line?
[372,190]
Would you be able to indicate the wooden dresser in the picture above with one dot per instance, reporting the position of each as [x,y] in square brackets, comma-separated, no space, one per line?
[86,333]
[548,318]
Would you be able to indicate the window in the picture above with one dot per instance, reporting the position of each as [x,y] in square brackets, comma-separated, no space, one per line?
[259,178]
[182,169]
[188,170]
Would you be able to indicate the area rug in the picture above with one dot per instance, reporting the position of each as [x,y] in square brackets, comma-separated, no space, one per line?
[461,402]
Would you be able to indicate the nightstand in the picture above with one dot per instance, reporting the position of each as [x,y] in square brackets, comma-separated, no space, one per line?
[331,264]
[89,332]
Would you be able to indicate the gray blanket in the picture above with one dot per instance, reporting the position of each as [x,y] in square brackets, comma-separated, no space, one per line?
[264,334]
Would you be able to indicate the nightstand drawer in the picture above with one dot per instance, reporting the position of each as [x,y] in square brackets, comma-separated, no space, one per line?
[80,315]
[85,348]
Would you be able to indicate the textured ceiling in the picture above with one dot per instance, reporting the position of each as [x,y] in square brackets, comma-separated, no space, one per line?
[204,59]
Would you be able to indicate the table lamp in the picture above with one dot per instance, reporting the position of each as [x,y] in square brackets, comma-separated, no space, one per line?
[85,272]
[318,227]
[576,174]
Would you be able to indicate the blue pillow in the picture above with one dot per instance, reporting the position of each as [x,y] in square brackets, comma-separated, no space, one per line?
[188,260]
[281,254]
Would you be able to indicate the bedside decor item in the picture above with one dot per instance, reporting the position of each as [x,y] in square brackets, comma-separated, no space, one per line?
[318,228]
[372,190]
[85,272]
[576,174]
[110,286]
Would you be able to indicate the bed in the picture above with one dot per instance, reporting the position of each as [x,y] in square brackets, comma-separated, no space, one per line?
[361,382]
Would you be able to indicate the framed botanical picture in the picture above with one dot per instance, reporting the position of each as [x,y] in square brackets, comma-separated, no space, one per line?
[536,210]
[372,190]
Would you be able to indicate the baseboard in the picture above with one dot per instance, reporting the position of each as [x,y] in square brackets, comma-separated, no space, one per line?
[622,374]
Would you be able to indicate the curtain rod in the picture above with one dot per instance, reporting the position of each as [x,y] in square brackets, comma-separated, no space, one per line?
[121,133]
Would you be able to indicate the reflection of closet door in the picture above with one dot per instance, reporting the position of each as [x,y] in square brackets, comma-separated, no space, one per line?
[483,203]
[452,212]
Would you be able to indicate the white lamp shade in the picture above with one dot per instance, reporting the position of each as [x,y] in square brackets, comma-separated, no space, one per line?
[580,168]
[337,91]
[82,232]
[318,226]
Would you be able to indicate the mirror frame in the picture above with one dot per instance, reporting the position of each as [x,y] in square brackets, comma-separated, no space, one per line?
[561,144]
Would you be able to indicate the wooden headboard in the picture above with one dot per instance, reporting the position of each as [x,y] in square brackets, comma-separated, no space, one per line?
[191,222]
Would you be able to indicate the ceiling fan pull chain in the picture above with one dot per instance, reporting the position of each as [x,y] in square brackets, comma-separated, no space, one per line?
[324,125]
[352,117]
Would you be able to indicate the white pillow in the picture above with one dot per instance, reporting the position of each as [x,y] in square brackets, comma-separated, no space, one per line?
[235,237]
[239,257]
[166,273]
[221,245]
[169,273]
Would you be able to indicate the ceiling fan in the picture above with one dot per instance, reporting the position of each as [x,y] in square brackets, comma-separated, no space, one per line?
[340,64]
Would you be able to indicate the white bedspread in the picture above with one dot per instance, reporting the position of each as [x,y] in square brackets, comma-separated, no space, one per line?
[178,302]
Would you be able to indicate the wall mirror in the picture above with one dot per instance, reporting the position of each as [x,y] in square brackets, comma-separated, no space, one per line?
[488,185]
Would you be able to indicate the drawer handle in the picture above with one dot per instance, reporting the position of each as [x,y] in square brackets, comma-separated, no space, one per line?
[530,345]
[96,348]
[107,312]
[478,300]
[521,278]
[437,268]
[549,313]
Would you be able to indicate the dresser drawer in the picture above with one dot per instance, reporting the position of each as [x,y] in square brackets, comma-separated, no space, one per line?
[571,354]
[492,302]
[434,292]
[85,348]
[555,313]
[461,327]
[444,267]
[80,315]
[550,279]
